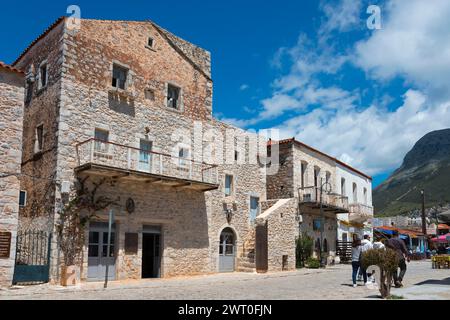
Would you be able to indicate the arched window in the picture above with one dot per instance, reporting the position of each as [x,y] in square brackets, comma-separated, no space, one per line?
[355,193]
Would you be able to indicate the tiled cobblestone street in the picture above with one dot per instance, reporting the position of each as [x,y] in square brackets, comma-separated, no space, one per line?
[330,284]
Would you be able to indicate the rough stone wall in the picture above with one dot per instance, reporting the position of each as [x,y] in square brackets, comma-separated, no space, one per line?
[86,104]
[11,122]
[38,169]
[282,231]
[280,185]
[330,229]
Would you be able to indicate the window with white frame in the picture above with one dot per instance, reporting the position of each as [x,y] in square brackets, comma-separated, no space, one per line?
[183,157]
[101,140]
[254,208]
[119,77]
[173,97]
[343,190]
[229,185]
[365,196]
[355,193]
[22,198]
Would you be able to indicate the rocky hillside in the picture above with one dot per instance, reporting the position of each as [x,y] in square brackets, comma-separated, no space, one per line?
[426,166]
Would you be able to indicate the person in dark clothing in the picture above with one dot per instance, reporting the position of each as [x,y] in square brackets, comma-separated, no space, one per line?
[398,245]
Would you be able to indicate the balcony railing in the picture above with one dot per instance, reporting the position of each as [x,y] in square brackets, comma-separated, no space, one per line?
[113,155]
[311,195]
[359,212]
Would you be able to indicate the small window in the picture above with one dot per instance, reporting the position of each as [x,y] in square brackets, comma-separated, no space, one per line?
[173,97]
[254,208]
[119,78]
[101,140]
[343,191]
[149,94]
[183,155]
[43,76]
[150,42]
[228,185]
[39,145]
[236,156]
[23,198]
[29,92]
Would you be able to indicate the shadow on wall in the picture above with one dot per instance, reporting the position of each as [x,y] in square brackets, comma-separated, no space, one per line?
[121,104]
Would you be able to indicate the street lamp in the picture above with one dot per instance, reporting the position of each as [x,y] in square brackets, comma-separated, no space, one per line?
[424,220]
[327,187]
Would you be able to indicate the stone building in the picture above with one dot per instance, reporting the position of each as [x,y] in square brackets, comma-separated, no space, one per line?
[11,121]
[122,111]
[312,177]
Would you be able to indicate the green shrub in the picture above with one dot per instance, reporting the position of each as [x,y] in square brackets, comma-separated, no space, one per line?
[304,249]
[313,263]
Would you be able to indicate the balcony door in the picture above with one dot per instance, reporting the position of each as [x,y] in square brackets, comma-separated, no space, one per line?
[145,155]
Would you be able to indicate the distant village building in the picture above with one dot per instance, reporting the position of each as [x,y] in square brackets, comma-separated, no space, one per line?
[315,179]
[11,122]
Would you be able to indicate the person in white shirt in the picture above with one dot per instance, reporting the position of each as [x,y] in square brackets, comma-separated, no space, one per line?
[378,245]
[365,246]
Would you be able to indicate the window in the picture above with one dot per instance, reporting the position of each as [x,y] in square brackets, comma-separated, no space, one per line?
[343,191]
[183,155]
[254,208]
[150,42]
[365,196]
[236,156]
[328,177]
[228,185]
[317,225]
[119,78]
[39,139]
[23,198]
[173,97]
[101,140]
[355,193]
[149,94]
[303,172]
[29,92]
[43,75]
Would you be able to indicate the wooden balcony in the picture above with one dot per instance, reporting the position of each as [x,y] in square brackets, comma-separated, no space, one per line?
[360,213]
[118,161]
[309,197]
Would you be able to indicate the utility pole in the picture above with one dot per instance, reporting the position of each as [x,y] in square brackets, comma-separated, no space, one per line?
[424,219]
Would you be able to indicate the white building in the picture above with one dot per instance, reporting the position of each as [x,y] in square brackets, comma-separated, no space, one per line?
[357,187]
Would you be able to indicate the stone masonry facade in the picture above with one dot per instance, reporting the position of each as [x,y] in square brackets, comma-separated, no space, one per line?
[79,99]
[118,80]
[11,114]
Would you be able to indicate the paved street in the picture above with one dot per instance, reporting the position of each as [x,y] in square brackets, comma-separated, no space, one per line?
[331,284]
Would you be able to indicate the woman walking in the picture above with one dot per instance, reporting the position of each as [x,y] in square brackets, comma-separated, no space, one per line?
[356,261]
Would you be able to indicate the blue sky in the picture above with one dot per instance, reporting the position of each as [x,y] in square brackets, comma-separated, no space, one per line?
[313,69]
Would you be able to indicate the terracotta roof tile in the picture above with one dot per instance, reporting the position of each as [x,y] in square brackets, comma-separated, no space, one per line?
[294,141]
[10,68]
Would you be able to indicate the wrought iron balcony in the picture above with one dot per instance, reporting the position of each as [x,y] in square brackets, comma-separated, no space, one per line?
[359,212]
[331,202]
[125,162]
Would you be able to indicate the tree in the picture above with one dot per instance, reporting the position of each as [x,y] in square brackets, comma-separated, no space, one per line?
[75,215]
[304,249]
[387,263]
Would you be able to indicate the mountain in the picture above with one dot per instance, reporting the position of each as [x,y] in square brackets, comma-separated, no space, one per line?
[427,167]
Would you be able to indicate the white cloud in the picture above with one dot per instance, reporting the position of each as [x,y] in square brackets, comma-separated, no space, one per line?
[374,139]
[244,87]
[414,44]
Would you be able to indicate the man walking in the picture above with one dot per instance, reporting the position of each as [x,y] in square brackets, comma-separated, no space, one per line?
[396,244]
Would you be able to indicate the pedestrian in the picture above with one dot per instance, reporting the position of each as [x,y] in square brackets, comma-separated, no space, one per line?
[366,245]
[356,261]
[398,245]
[378,244]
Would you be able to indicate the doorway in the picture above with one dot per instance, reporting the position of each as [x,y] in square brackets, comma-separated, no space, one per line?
[151,252]
[98,252]
[227,251]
